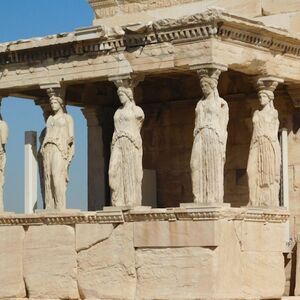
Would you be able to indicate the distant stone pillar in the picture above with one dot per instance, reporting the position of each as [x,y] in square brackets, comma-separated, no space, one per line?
[30,201]
[96,163]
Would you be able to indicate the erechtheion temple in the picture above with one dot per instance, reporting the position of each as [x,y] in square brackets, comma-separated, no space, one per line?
[197,101]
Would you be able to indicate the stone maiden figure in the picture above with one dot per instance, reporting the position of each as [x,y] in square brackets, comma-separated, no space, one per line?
[3,141]
[210,137]
[125,167]
[57,151]
[264,160]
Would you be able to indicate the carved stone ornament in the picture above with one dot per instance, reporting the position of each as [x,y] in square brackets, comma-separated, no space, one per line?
[3,141]
[171,215]
[210,137]
[57,150]
[125,167]
[265,154]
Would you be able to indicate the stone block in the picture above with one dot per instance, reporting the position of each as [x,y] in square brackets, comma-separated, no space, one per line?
[265,237]
[156,10]
[89,234]
[288,21]
[263,275]
[50,265]
[175,273]
[11,262]
[272,7]
[106,270]
[297,284]
[176,234]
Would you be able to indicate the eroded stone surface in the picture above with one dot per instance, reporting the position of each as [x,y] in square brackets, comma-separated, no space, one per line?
[11,265]
[297,286]
[263,274]
[176,234]
[107,269]
[50,262]
[271,7]
[88,235]
[175,273]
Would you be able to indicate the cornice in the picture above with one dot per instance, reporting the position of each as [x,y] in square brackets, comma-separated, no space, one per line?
[95,41]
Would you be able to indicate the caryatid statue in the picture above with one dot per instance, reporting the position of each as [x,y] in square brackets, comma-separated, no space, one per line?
[57,151]
[210,137]
[3,141]
[125,166]
[265,155]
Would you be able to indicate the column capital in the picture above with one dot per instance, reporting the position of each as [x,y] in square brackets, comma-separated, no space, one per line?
[211,70]
[54,88]
[92,116]
[209,67]
[269,83]
[126,80]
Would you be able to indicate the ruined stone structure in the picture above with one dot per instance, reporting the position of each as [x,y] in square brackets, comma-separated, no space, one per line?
[225,150]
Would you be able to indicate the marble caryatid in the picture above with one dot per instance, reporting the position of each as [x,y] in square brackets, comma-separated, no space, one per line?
[57,150]
[210,136]
[3,141]
[125,167]
[264,157]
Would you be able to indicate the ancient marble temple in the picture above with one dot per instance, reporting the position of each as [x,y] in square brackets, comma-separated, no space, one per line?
[193,121]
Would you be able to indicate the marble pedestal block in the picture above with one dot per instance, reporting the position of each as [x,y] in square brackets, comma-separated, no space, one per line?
[212,253]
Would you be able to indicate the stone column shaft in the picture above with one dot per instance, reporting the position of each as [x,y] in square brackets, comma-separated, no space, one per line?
[96,163]
[30,201]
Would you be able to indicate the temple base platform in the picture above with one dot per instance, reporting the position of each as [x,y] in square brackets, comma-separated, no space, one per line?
[178,253]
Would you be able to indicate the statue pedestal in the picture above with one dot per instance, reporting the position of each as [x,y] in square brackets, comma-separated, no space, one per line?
[211,253]
[193,205]
[126,208]
[6,213]
[56,211]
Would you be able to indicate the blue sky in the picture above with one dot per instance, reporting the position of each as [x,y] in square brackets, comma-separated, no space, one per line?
[21,19]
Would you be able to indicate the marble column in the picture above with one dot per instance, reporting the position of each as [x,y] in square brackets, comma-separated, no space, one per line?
[96,162]
[30,180]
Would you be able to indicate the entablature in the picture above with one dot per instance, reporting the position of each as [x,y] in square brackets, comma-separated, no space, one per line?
[168,45]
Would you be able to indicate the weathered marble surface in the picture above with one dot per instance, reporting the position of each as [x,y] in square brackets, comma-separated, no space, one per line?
[106,270]
[11,262]
[147,258]
[50,262]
